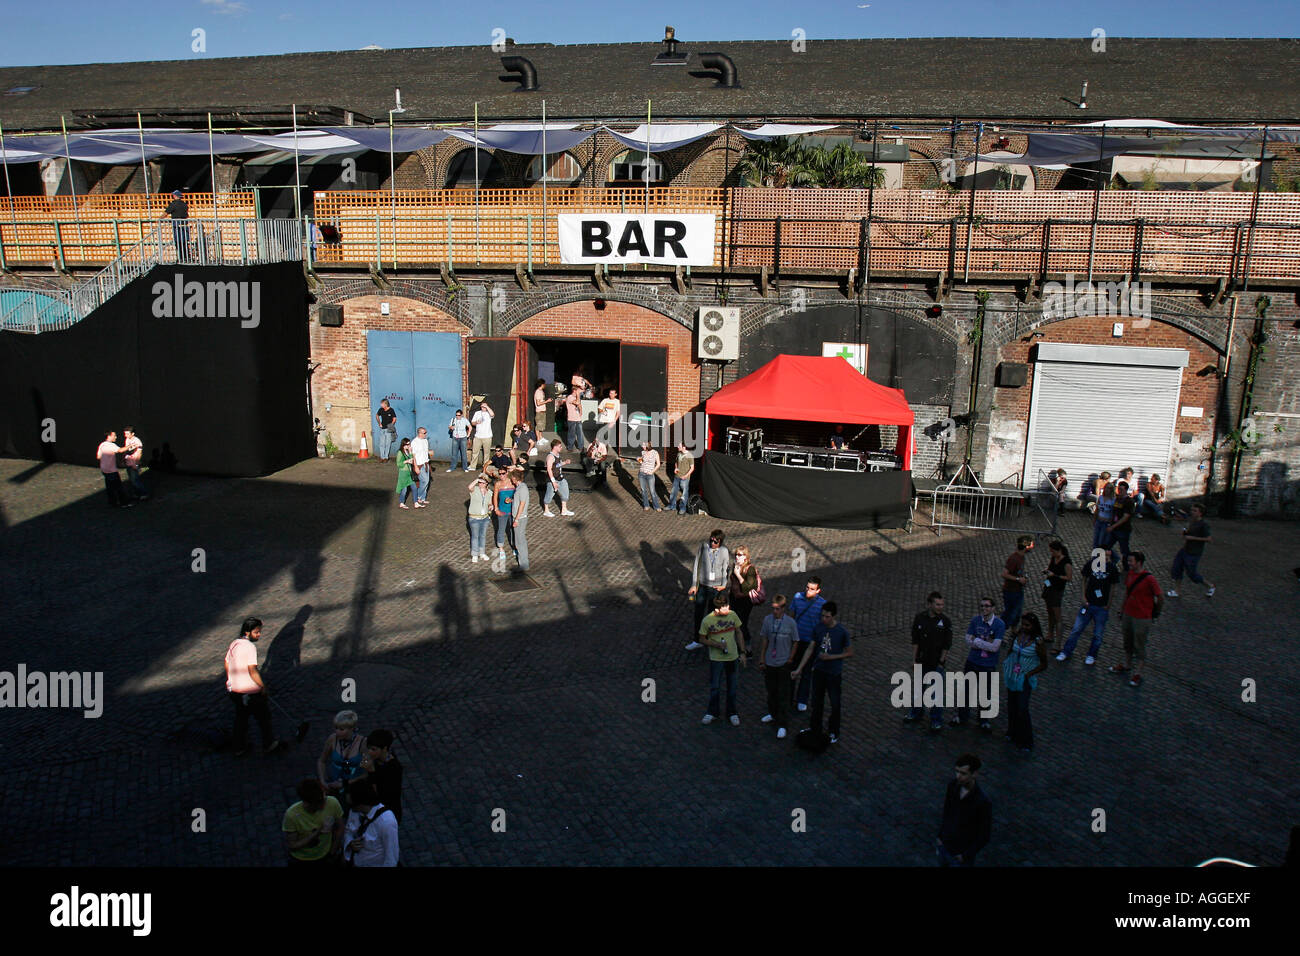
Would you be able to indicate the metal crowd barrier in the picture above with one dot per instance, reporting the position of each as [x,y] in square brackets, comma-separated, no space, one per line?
[980,507]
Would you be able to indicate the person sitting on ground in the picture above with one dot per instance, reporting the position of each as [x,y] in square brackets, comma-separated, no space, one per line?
[1059,480]
[595,461]
[501,460]
[524,444]
[1153,499]
[340,761]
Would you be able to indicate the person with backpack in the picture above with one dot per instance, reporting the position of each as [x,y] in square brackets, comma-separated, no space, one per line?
[1142,605]
[370,837]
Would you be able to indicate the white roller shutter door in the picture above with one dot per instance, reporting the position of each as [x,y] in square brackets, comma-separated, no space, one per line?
[1090,416]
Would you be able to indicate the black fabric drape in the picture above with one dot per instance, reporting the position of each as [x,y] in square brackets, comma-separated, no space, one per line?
[745,490]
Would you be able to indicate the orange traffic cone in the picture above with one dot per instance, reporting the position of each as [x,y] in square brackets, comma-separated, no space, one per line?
[364,453]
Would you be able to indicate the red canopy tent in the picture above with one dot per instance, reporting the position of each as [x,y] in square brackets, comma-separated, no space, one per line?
[815,388]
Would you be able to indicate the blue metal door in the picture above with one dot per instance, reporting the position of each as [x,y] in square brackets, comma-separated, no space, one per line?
[437,368]
[391,377]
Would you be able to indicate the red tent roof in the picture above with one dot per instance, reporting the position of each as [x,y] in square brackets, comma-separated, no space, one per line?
[811,388]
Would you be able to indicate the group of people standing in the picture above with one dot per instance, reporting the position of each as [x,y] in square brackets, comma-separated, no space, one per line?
[801,645]
[414,464]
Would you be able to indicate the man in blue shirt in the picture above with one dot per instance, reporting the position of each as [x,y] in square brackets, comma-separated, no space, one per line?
[984,638]
[805,608]
[830,646]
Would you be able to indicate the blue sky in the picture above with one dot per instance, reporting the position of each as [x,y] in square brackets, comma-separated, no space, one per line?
[87,31]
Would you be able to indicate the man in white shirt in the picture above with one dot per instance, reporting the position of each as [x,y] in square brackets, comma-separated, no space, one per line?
[420,459]
[482,422]
[246,689]
[370,838]
[107,453]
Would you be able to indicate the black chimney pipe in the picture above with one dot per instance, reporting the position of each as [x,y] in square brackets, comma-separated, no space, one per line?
[723,64]
[522,72]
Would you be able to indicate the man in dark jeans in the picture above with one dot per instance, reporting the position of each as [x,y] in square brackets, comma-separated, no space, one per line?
[246,688]
[179,210]
[931,640]
[1120,528]
[1014,581]
[1195,537]
[708,579]
[967,816]
[831,646]
[984,638]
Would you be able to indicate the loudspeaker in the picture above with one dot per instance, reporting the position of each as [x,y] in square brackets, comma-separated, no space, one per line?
[331,316]
[1012,374]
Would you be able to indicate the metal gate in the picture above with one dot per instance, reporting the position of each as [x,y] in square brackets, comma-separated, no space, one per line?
[420,375]
[993,508]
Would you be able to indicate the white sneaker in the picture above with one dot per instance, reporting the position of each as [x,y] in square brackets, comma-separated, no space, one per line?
[780,734]
[1061,656]
[450,470]
[473,559]
[1090,660]
[735,720]
[568,514]
[708,719]
[766,719]
[548,513]
[1210,593]
[802,708]
[694,646]
[835,738]
[1172,593]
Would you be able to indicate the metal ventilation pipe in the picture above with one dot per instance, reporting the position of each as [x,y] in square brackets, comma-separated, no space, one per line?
[521,71]
[724,65]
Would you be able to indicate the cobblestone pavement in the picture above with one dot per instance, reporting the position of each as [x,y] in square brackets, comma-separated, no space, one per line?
[531,702]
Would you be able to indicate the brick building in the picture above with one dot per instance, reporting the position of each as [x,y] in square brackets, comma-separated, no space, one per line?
[962,330]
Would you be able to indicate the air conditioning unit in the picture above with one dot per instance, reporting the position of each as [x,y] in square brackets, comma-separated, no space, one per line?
[719,333]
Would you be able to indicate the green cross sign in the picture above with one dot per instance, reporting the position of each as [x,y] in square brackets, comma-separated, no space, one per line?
[845,354]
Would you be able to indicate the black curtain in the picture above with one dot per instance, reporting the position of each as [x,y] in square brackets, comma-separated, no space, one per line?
[744,490]
[214,395]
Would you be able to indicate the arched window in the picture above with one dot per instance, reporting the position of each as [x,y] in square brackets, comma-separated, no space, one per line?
[559,168]
[635,167]
[461,171]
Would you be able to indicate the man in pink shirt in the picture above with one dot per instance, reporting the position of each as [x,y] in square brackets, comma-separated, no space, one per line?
[246,688]
[107,453]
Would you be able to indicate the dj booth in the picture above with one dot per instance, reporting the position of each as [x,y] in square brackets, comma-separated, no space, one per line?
[748,443]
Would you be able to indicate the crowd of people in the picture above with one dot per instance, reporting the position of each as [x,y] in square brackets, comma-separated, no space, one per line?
[350,808]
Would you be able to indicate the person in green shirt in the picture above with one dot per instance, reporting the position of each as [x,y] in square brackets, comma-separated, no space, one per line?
[405,476]
[310,824]
[720,633]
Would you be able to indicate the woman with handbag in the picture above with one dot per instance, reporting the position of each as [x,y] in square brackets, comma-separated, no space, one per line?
[745,589]
[405,474]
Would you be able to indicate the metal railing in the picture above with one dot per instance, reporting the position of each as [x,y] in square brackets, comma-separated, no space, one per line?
[993,507]
[173,242]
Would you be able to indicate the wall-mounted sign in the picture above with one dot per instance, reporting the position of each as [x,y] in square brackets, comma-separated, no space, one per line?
[685,240]
[854,354]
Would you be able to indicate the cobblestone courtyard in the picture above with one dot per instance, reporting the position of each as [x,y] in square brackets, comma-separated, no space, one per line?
[531,702]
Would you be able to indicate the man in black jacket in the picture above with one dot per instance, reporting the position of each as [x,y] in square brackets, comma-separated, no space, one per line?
[384,770]
[967,816]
